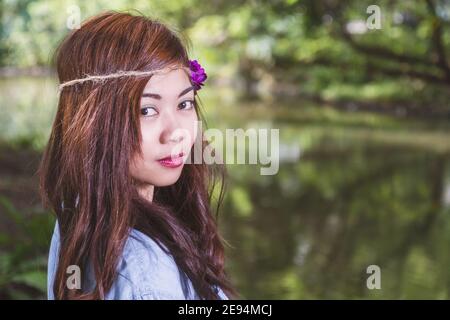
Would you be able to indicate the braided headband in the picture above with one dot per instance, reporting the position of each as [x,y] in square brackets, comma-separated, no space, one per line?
[197,73]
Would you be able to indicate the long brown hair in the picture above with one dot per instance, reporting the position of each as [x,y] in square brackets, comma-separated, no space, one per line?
[85,165]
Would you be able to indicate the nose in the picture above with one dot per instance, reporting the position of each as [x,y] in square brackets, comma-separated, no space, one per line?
[172,131]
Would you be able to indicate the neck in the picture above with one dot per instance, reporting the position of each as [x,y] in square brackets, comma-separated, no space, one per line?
[146,191]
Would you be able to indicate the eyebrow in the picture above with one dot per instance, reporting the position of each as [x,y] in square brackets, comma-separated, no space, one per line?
[157,96]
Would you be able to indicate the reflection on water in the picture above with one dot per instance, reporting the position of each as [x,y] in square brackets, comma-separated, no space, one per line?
[312,230]
[352,190]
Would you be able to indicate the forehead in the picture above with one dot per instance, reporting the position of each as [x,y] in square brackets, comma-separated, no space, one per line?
[172,81]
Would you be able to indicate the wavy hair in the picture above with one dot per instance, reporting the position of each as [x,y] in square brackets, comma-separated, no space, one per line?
[85,165]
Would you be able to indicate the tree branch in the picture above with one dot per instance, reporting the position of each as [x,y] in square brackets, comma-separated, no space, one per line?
[437,42]
[402,71]
[380,52]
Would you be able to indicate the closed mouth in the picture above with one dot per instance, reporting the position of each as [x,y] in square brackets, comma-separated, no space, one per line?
[171,157]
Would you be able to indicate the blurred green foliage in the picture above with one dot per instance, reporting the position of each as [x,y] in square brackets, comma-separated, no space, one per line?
[23,252]
[323,47]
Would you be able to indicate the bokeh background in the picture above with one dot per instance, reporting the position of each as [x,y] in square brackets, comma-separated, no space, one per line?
[364,119]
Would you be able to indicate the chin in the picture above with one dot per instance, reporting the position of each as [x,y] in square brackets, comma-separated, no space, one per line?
[169,178]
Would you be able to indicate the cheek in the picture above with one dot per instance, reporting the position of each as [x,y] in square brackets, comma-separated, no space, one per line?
[142,168]
[149,140]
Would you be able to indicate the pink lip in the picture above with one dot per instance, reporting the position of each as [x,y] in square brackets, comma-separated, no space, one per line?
[172,162]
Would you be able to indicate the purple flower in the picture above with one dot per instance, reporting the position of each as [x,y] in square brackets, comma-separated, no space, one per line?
[198,74]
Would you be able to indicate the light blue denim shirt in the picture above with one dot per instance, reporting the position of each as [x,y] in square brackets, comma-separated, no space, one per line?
[144,272]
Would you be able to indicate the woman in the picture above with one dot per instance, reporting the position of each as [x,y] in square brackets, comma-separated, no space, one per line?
[133,218]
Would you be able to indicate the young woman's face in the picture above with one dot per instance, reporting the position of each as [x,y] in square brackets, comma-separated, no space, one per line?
[168,126]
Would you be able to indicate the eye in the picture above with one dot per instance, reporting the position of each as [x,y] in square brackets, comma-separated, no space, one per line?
[186,105]
[148,111]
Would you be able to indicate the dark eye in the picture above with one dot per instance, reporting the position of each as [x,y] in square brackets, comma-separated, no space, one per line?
[186,105]
[148,111]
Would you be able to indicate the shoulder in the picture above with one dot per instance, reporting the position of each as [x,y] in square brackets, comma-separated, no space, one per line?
[149,271]
[146,270]
[52,261]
